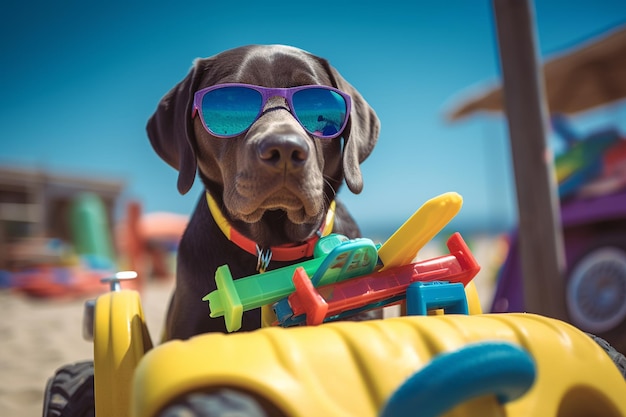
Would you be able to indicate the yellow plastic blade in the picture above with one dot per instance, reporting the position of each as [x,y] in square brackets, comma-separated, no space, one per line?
[403,246]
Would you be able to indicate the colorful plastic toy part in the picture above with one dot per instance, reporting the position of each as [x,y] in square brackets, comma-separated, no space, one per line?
[424,296]
[229,299]
[374,290]
[403,246]
[502,370]
[337,258]
[350,259]
[583,161]
[311,300]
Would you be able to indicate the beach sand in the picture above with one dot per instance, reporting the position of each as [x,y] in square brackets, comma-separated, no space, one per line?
[37,336]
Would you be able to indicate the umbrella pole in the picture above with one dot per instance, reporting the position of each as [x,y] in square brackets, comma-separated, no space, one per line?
[540,234]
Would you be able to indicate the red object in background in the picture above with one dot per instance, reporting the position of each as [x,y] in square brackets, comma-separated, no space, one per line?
[146,237]
[59,282]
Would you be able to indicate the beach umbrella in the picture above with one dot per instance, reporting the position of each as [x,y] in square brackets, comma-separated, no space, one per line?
[590,75]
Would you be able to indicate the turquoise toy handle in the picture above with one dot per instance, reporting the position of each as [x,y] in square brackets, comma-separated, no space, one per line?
[348,260]
[498,368]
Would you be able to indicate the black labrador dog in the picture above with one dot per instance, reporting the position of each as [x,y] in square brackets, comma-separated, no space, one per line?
[272,132]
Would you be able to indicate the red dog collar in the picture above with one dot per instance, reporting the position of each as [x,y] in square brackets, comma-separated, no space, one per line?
[289,252]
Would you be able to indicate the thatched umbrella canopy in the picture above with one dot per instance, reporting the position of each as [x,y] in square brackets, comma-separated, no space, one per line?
[590,75]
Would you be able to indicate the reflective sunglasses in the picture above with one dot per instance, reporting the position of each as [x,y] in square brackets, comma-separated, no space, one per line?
[228,110]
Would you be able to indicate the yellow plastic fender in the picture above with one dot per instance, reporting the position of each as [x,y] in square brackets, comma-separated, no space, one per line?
[344,369]
[121,339]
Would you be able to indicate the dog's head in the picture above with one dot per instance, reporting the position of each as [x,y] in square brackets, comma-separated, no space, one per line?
[274,172]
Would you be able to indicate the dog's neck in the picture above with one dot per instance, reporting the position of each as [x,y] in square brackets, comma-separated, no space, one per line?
[287,252]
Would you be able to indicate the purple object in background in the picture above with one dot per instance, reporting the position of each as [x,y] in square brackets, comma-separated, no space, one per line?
[594,232]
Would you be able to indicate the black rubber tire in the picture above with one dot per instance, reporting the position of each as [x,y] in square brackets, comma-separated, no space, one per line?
[618,358]
[222,403]
[69,393]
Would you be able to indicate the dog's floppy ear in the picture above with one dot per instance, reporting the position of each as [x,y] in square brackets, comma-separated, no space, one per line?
[360,134]
[170,128]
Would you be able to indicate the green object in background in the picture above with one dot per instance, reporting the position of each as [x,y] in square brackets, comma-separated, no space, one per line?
[90,229]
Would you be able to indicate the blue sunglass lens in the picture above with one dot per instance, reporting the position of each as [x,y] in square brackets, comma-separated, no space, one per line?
[229,111]
[322,112]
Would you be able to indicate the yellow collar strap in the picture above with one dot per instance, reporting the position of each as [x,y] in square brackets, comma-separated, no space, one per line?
[288,252]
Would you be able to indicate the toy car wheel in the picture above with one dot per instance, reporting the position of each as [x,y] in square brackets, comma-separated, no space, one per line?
[69,393]
[222,403]
[596,289]
[618,359]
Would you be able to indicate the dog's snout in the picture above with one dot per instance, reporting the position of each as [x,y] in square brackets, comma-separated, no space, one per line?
[284,151]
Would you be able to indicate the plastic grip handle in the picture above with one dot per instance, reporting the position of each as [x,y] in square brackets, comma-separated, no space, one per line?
[498,368]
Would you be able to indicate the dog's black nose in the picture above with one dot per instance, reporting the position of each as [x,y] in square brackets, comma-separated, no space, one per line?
[284,151]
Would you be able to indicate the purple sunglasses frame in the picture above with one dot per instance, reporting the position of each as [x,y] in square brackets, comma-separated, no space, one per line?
[266,94]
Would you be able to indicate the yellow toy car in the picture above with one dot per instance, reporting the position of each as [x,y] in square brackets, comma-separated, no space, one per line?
[429,365]
[452,365]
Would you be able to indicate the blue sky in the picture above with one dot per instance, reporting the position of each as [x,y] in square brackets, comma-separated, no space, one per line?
[80,80]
